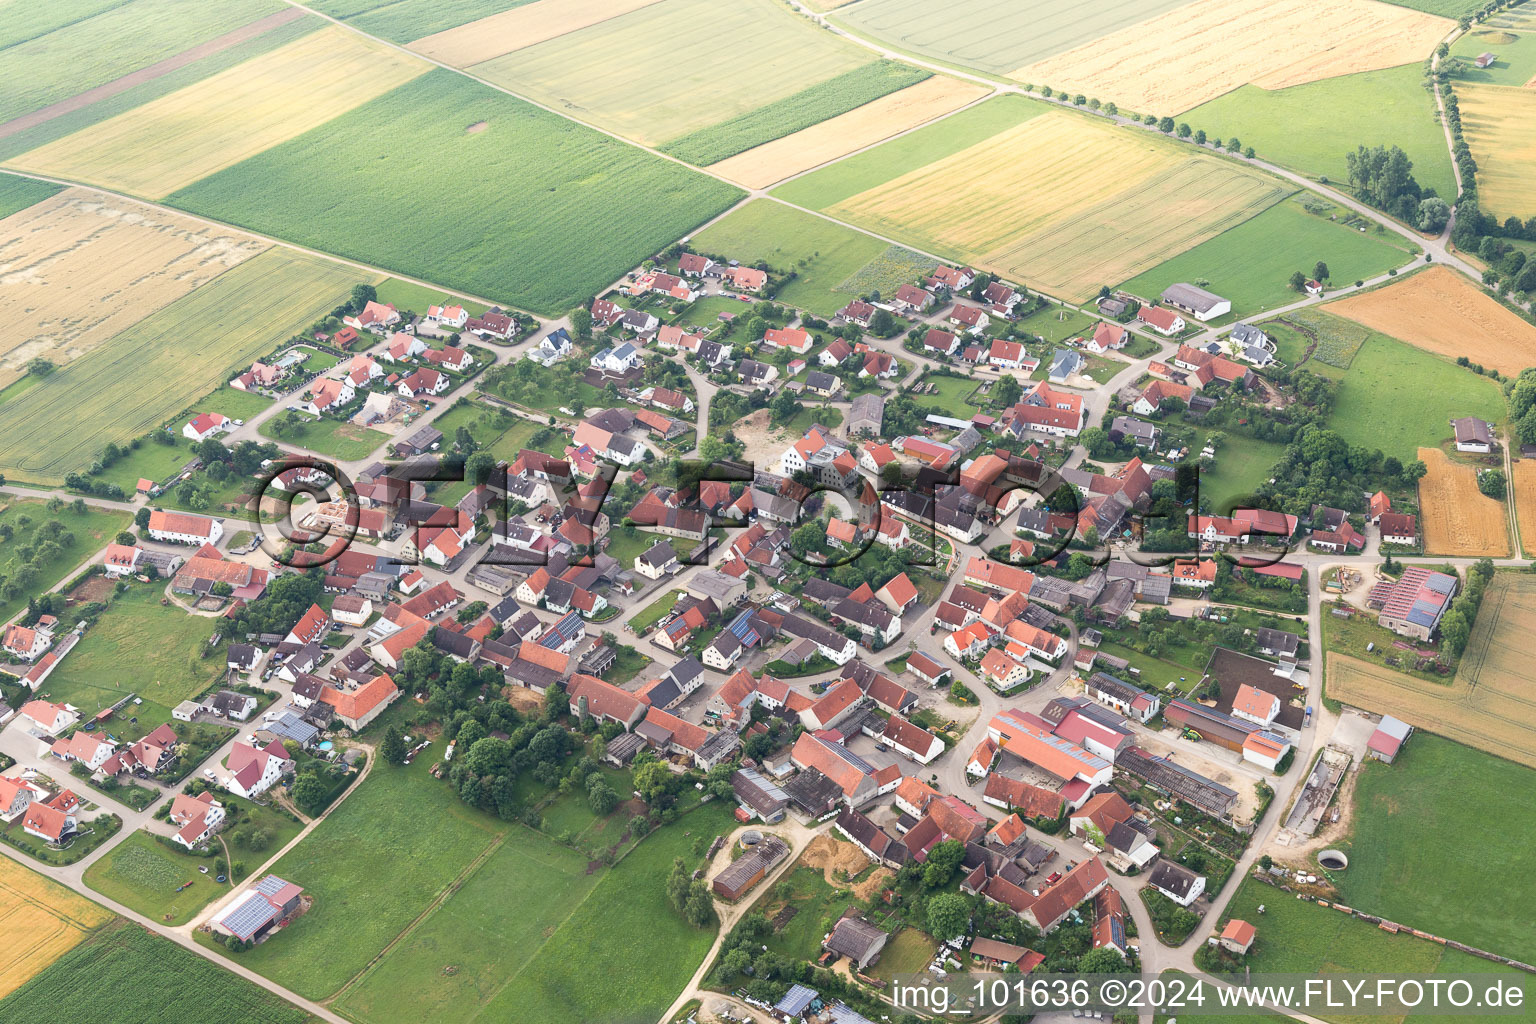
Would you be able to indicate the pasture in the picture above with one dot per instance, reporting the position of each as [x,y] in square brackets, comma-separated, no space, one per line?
[995,35]
[1511,37]
[339,439]
[491,200]
[375,833]
[526,24]
[833,263]
[1457,518]
[142,874]
[1426,869]
[863,126]
[1028,203]
[164,363]
[142,647]
[1252,262]
[654,74]
[1500,125]
[1310,128]
[170,142]
[126,973]
[1523,483]
[1242,464]
[1399,399]
[42,921]
[1443,312]
[91,531]
[94,51]
[83,267]
[1333,341]
[1214,46]
[810,106]
[400,21]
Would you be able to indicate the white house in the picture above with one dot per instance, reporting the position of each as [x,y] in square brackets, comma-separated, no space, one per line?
[619,359]
[49,718]
[448,316]
[425,381]
[253,770]
[195,817]
[1177,882]
[401,347]
[206,424]
[184,528]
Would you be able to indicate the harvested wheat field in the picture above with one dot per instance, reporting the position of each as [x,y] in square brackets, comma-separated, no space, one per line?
[178,139]
[1443,312]
[1487,705]
[1210,47]
[1456,517]
[523,26]
[839,861]
[863,126]
[41,921]
[1500,124]
[79,268]
[1523,483]
[1041,184]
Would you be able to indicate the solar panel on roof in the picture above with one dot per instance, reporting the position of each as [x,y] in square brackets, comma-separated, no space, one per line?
[249,915]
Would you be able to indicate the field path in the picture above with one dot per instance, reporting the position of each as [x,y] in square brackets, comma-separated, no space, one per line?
[80,101]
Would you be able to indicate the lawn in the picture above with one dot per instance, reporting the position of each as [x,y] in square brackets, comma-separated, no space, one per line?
[655,611]
[89,532]
[490,199]
[405,295]
[1251,264]
[376,833]
[340,439]
[1057,323]
[624,547]
[1399,398]
[1242,464]
[1309,128]
[142,647]
[908,953]
[827,415]
[832,264]
[142,873]
[862,171]
[646,951]
[817,906]
[148,374]
[1514,51]
[1429,868]
[129,974]
[1157,673]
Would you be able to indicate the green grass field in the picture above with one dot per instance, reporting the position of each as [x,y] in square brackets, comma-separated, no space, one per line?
[1429,869]
[655,611]
[1309,128]
[125,973]
[142,874]
[492,201]
[329,436]
[17,194]
[375,834]
[1399,398]
[96,50]
[1514,52]
[400,21]
[92,531]
[624,946]
[163,85]
[142,647]
[1057,323]
[805,108]
[1242,463]
[416,298]
[863,171]
[993,35]
[146,375]
[833,264]
[1251,264]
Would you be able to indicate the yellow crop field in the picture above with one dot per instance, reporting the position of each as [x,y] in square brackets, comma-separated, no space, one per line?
[863,126]
[168,143]
[41,921]
[79,267]
[1488,704]
[518,28]
[1043,185]
[673,67]
[1457,518]
[1524,485]
[1203,49]
[1499,122]
[1443,312]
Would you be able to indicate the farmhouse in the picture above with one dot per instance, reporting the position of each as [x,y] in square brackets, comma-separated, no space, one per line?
[1399,528]
[1197,302]
[1473,434]
[184,528]
[1164,321]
